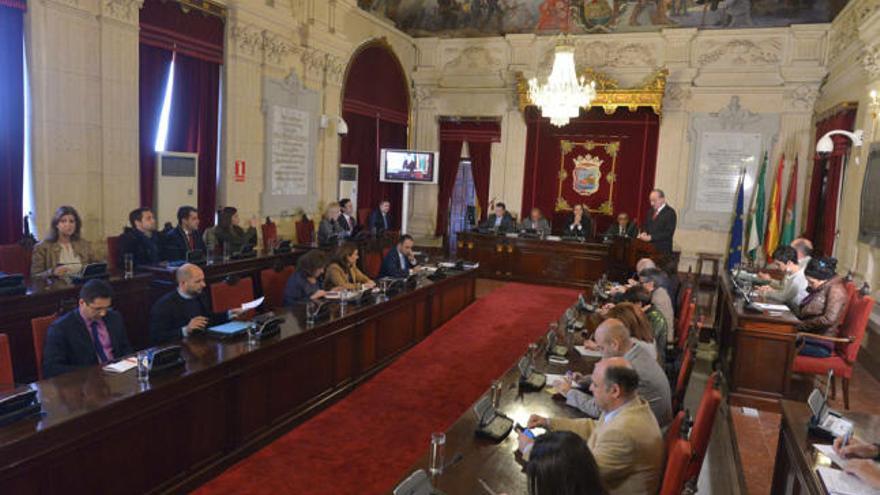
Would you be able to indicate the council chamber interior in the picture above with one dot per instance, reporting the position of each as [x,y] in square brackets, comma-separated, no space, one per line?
[544,247]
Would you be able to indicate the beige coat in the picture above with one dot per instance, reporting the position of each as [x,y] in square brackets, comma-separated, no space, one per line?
[48,254]
[336,277]
[628,449]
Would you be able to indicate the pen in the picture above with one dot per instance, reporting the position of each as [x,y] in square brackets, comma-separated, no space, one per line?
[846,438]
[486,487]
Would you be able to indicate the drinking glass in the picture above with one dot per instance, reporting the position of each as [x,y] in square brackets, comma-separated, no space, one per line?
[438,447]
[128,262]
[311,311]
[496,393]
[343,298]
[144,365]
[253,335]
[225,251]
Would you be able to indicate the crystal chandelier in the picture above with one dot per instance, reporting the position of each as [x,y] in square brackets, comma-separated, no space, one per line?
[563,95]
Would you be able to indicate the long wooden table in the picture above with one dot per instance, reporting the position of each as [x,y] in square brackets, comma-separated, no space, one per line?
[797,459]
[499,464]
[756,350]
[564,263]
[106,433]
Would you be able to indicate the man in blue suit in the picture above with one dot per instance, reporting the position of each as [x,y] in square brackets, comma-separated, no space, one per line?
[184,239]
[88,335]
[400,260]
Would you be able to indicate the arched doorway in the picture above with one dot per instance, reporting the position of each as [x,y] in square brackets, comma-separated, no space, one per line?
[375,105]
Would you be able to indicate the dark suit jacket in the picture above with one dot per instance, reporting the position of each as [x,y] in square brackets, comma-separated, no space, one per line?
[391,265]
[69,343]
[144,250]
[507,223]
[661,229]
[343,223]
[377,225]
[585,231]
[171,313]
[631,231]
[174,245]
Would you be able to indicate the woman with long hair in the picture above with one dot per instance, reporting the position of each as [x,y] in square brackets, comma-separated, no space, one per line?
[343,271]
[560,463]
[229,233]
[63,252]
[329,230]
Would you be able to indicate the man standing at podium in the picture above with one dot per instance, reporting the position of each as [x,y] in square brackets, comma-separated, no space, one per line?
[660,223]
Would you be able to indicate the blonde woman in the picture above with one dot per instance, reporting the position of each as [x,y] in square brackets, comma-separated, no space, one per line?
[329,230]
[63,252]
[343,271]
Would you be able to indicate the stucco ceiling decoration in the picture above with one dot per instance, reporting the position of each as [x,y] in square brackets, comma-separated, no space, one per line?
[609,95]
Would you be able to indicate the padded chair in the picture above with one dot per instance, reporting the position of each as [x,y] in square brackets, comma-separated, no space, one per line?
[703,423]
[372,264]
[270,235]
[6,377]
[15,258]
[39,329]
[363,215]
[674,432]
[686,310]
[231,294]
[273,283]
[846,350]
[114,257]
[679,459]
[305,232]
[683,379]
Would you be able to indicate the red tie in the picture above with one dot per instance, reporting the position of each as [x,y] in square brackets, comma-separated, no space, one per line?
[350,223]
[189,241]
[656,212]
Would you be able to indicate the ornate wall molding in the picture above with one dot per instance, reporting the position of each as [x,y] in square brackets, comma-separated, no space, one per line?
[614,54]
[734,117]
[845,28]
[122,10]
[472,58]
[677,96]
[802,98]
[870,60]
[247,38]
[276,48]
[738,52]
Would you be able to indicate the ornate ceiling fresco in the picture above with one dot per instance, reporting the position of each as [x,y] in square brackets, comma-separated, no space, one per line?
[472,18]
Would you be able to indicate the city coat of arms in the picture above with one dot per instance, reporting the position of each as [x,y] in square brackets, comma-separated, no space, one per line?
[586,174]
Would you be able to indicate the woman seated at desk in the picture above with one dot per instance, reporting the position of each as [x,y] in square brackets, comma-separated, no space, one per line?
[63,252]
[579,224]
[329,230]
[228,233]
[305,284]
[343,271]
[821,312]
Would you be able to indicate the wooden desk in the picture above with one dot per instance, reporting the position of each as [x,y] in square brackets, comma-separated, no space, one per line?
[797,460]
[218,270]
[563,263]
[105,433]
[46,296]
[499,464]
[756,350]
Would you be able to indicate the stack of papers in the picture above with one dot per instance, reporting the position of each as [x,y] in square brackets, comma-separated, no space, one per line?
[771,307]
[122,366]
[252,305]
[583,351]
[841,483]
[828,451]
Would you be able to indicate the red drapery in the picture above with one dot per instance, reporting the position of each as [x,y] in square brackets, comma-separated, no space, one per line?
[193,124]
[452,135]
[376,108]
[11,119]
[196,34]
[637,134]
[825,182]
[154,65]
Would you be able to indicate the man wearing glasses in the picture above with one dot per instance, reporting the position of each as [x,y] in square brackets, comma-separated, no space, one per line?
[90,334]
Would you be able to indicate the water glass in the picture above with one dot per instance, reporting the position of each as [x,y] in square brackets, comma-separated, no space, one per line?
[253,335]
[344,294]
[225,251]
[438,448]
[128,262]
[496,393]
[144,365]
[311,311]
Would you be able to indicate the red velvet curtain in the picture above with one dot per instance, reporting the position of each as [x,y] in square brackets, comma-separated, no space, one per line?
[481,166]
[165,25]
[637,132]
[193,124]
[825,182]
[11,119]
[154,65]
[450,156]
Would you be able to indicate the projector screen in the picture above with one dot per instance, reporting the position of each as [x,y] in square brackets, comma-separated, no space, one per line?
[408,166]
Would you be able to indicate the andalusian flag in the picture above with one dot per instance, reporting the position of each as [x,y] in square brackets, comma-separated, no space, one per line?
[771,238]
[756,213]
[790,201]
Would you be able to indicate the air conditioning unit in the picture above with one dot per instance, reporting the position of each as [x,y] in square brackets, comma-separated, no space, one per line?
[348,184]
[177,184]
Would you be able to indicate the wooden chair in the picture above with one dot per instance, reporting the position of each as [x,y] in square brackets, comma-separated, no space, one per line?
[305,232]
[372,264]
[273,282]
[231,294]
[715,259]
[39,329]
[704,420]
[7,379]
[114,257]
[847,346]
[679,459]
[15,258]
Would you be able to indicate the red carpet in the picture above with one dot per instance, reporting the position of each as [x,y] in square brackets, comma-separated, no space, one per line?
[367,441]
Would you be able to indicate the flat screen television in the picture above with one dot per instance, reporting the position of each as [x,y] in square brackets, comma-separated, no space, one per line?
[409,166]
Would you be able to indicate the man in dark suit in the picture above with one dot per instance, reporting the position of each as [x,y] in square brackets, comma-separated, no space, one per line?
[501,220]
[185,238]
[660,223]
[400,260]
[622,228]
[140,240]
[185,310]
[380,220]
[88,335]
[346,218]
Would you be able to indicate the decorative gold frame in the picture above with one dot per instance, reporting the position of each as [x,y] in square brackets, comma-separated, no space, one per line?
[612,148]
[609,95]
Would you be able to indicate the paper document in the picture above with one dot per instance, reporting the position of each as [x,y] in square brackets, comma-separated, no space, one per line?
[841,483]
[122,366]
[553,378]
[583,351]
[828,451]
[252,305]
[770,307]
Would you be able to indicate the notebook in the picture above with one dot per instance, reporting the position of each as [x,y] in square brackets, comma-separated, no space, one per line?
[230,329]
